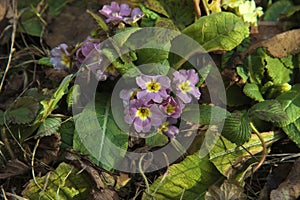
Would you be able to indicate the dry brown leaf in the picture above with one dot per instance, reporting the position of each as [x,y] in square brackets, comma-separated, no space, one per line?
[284,44]
[13,168]
[105,194]
[55,75]
[279,46]
[72,26]
[3,9]
[227,190]
[48,148]
[290,188]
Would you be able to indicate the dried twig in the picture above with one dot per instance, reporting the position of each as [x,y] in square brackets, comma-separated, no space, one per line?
[263,157]
[13,35]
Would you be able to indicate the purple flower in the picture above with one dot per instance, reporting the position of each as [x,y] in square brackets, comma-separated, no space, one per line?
[86,48]
[136,15]
[90,54]
[185,81]
[60,57]
[128,95]
[153,87]
[143,115]
[172,107]
[116,12]
[168,129]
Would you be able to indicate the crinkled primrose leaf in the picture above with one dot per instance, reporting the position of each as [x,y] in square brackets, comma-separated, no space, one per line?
[186,180]
[64,183]
[220,31]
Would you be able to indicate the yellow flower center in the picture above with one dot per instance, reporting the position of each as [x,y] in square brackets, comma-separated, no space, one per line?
[111,69]
[185,86]
[143,113]
[153,86]
[164,128]
[65,60]
[170,109]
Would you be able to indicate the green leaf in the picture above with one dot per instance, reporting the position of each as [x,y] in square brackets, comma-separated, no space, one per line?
[147,55]
[1,117]
[220,31]
[30,23]
[226,156]
[255,67]
[99,20]
[156,6]
[73,95]
[56,6]
[180,12]
[23,111]
[45,61]
[236,97]
[290,102]
[237,128]
[105,141]
[50,104]
[123,35]
[203,74]
[157,140]
[186,180]
[252,91]
[156,68]
[269,110]
[242,73]
[293,131]
[48,127]
[66,131]
[276,9]
[278,73]
[292,10]
[165,23]
[64,183]
[204,114]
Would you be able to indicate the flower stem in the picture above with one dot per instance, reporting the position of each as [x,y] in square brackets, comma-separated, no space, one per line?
[263,157]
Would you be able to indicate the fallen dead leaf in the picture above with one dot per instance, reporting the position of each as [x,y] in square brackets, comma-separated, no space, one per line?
[284,44]
[227,190]
[13,168]
[48,148]
[279,46]
[290,188]
[105,194]
[274,179]
[72,26]
[55,75]
[5,10]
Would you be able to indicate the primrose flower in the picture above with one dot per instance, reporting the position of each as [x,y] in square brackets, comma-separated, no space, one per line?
[153,87]
[86,48]
[249,12]
[172,107]
[185,81]
[116,12]
[231,3]
[168,129]
[128,95]
[136,15]
[143,115]
[60,57]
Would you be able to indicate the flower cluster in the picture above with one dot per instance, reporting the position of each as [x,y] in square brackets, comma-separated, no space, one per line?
[88,53]
[116,12]
[155,104]
[244,8]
